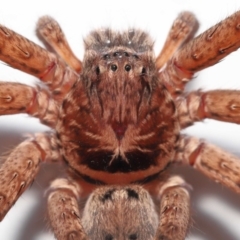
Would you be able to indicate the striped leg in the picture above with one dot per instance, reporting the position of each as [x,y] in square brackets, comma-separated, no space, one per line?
[28,57]
[52,33]
[20,98]
[210,160]
[20,168]
[203,51]
[182,30]
[174,210]
[63,210]
[223,105]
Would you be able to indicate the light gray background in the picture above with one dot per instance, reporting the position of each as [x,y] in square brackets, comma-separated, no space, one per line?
[216,210]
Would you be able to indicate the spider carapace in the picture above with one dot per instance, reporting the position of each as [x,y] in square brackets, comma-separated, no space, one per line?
[118,124]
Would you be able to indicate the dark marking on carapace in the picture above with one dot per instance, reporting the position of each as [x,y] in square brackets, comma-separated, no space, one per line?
[133,161]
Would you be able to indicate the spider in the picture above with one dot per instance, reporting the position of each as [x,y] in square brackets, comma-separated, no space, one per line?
[116,119]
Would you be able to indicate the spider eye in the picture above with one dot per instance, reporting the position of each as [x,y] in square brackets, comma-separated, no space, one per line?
[113,67]
[116,54]
[97,70]
[143,70]
[128,67]
[108,237]
[106,56]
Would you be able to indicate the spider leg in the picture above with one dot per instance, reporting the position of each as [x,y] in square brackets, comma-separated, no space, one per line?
[52,33]
[20,98]
[210,160]
[28,57]
[21,167]
[203,51]
[223,105]
[183,29]
[174,210]
[63,210]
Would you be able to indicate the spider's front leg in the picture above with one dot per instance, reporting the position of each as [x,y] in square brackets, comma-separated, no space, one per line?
[19,98]
[182,30]
[201,52]
[28,57]
[49,29]
[21,166]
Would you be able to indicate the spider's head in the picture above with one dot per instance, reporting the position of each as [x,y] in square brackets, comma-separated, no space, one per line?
[119,70]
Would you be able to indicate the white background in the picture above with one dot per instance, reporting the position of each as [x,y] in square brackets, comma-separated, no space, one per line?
[216,210]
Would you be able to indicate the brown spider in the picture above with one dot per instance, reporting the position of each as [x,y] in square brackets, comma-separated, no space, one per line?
[117,117]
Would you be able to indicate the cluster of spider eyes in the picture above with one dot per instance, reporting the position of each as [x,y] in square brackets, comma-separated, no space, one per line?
[119,55]
[114,67]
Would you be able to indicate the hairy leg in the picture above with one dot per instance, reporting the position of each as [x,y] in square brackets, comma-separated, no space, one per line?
[203,51]
[20,98]
[28,57]
[182,30]
[63,212]
[49,29]
[210,160]
[223,105]
[174,210]
[20,168]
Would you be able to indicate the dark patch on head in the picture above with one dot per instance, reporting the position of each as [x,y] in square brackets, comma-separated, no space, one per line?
[107,195]
[132,193]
